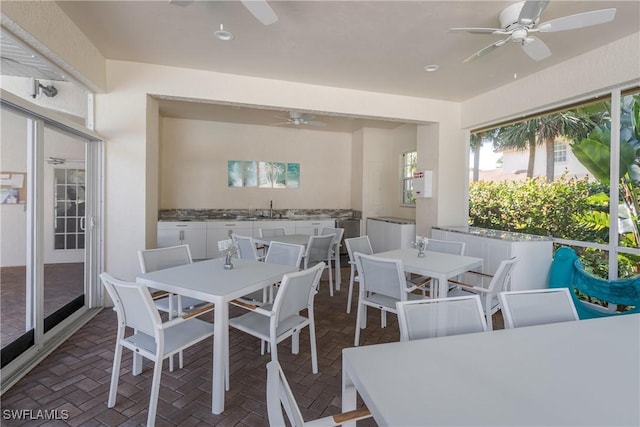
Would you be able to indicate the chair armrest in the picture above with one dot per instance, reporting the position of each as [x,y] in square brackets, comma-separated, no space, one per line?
[339,419]
[159,294]
[470,287]
[254,308]
[198,311]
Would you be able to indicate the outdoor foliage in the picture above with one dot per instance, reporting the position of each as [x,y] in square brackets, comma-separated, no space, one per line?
[534,206]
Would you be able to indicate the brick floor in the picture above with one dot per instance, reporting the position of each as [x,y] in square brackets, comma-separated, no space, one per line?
[75,377]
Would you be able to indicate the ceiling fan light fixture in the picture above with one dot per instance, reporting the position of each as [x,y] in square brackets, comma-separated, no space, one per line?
[223,34]
[431,68]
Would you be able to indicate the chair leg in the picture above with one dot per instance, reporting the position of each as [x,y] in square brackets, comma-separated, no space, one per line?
[171,317]
[295,342]
[383,318]
[330,279]
[356,341]
[350,293]
[115,374]
[312,340]
[155,391]
[137,364]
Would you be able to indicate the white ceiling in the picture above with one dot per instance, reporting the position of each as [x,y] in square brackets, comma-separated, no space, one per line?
[380,46]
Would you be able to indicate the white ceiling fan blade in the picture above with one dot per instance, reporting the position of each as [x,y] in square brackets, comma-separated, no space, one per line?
[531,11]
[181,2]
[261,10]
[579,20]
[478,30]
[315,123]
[487,50]
[535,48]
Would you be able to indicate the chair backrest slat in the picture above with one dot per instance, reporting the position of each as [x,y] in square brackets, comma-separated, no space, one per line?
[383,276]
[318,249]
[358,244]
[429,318]
[133,305]
[446,246]
[161,258]
[271,232]
[284,254]
[537,307]
[246,247]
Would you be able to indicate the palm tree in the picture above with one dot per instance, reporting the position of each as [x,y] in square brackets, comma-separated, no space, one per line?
[519,136]
[475,143]
[544,129]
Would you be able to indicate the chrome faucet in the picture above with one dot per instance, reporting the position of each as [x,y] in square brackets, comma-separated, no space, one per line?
[271,209]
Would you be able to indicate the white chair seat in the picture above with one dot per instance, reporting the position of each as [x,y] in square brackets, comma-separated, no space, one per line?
[176,338]
[254,323]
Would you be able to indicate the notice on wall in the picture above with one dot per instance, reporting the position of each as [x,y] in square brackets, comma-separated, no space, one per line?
[13,188]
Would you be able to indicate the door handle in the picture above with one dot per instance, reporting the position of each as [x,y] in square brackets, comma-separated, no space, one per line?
[83,221]
[181,235]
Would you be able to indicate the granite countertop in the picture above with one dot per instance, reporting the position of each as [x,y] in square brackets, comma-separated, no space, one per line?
[495,234]
[394,220]
[186,215]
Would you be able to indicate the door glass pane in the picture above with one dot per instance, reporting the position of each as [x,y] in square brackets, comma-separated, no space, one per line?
[64,187]
[16,319]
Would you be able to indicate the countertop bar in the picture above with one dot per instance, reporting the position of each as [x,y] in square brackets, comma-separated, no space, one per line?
[393,220]
[175,215]
[494,234]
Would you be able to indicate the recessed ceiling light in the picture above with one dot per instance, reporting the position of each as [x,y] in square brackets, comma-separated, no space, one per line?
[223,34]
[431,68]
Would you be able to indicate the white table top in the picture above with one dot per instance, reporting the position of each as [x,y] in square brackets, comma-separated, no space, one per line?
[295,239]
[581,373]
[206,280]
[433,263]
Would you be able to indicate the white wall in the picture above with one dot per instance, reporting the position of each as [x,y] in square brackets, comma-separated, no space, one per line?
[122,117]
[194,156]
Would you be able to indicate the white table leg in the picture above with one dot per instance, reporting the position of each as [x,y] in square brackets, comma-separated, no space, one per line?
[443,287]
[221,318]
[349,395]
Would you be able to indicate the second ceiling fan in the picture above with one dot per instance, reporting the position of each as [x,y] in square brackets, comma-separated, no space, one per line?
[519,20]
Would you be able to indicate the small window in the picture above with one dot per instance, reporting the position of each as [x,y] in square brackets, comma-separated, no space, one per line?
[408,167]
[559,152]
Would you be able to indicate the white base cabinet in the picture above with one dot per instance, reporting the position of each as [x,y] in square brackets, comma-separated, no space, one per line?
[192,233]
[313,228]
[535,253]
[386,236]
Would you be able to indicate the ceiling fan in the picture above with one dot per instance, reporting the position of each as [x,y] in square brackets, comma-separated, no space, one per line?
[258,8]
[299,119]
[519,20]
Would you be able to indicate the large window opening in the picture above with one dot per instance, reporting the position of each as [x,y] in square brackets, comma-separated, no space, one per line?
[572,174]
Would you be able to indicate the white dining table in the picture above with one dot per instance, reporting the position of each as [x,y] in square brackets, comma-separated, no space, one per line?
[302,239]
[210,281]
[579,373]
[437,265]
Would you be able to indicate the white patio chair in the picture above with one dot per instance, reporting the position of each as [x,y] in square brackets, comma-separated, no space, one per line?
[363,246]
[439,317]
[319,251]
[277,322]
[158,259]
[382,284]
[279,396]
[488,292]
[537,307]
[148,336]
[335,250]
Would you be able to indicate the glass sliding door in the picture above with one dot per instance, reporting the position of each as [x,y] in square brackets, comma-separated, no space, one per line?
[17,331]
[51,245]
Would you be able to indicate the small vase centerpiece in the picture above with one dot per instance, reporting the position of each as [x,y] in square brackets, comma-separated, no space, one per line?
[421,244]
[230,250]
